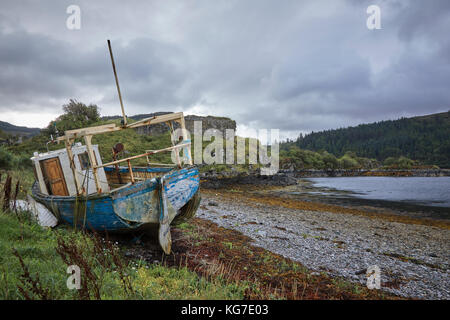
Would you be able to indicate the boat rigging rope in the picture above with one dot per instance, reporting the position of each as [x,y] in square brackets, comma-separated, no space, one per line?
[87,194]
[85,179]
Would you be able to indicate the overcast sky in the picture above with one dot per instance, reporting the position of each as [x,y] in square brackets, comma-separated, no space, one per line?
[293,65]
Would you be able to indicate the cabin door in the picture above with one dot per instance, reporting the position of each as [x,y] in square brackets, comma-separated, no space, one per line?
[54,178]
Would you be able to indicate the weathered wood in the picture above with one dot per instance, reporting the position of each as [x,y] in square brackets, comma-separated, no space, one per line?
[93,161]
[108,128]
[117,84]
[172,139]
[142,122]
[80,133]
[116,166]
[78,187]
[143,155]
[130,169]
[132,203]
[54,175]
[15,196]
[125,177]
[187,151]
[40,177]
[157,119]
[164,236]
[160,164]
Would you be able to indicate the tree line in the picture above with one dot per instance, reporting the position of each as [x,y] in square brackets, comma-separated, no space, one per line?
[425,139]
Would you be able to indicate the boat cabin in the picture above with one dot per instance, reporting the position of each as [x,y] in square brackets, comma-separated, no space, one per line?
[78,169]
[55,176]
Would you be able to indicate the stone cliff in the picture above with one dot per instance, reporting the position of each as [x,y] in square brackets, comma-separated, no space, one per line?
[208,122]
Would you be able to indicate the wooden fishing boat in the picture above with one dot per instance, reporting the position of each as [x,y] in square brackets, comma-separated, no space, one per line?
[80,190]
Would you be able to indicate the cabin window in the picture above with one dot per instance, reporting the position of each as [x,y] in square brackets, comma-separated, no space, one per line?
[84,160]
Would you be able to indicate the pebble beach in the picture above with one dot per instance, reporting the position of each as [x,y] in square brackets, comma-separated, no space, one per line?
[413,258]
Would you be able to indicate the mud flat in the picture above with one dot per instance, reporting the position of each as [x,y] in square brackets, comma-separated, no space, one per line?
[413,254]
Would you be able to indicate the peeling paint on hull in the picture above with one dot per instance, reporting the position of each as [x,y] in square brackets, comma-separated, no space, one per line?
[125,209]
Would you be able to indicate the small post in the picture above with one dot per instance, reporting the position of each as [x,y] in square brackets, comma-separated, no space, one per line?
[131,171]
[93,161]
[172,139]
[68,143]
[187,150]
[117,84]
[116,165]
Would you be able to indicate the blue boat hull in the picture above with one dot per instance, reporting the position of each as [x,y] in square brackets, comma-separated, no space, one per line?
[131,207]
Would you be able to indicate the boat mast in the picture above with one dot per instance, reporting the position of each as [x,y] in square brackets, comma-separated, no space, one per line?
[70,136]
[117,84]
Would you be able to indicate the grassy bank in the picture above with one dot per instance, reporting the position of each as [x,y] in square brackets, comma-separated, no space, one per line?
[34,262]
[209,263]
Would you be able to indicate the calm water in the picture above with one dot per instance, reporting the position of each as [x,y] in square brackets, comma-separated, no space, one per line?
[430,191]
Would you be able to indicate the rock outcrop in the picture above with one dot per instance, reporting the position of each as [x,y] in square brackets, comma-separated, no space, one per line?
[217,180]
[208,122]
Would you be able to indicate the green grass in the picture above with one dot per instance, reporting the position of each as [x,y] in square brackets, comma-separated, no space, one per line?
[37,247]
[24,176]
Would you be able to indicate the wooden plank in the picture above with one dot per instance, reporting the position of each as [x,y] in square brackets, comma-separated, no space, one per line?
[54,175]
[143,155]
[40,177]
[117,84]
[187,150]
[79,133]
[160,164]
[142,122]
[177,153]
[130,169]
[93,130]
[126,177]
[156,119]
[78,187]
[93,161]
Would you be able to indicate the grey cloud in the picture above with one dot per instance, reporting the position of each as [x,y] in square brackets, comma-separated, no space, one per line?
[293,65]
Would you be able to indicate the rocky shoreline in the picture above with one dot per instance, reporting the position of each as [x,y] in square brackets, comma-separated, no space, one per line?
[413,258]
[213,180]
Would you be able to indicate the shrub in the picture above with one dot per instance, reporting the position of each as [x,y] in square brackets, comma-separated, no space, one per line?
[399,163]
[7,159]
[329,160]
[346,162]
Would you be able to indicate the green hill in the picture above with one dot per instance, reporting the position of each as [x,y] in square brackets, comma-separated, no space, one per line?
[424,138]
[16,130]
[78,115]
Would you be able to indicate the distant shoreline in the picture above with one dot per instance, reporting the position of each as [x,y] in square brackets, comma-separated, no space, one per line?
[313,173]
[214,179]
[297,184]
